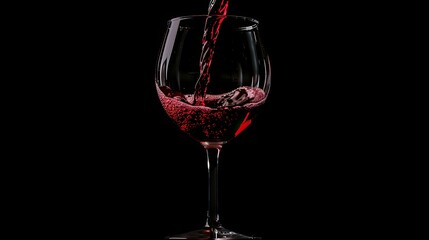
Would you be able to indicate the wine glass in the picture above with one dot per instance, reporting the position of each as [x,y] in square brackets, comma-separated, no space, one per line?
[213,75]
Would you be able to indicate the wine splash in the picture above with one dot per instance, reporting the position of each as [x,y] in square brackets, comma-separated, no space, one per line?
[222,118]
[211,31]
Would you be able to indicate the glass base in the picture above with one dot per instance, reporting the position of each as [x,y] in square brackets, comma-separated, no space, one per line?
[219,233]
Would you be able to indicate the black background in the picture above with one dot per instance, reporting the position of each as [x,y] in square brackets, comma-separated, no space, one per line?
[118,167]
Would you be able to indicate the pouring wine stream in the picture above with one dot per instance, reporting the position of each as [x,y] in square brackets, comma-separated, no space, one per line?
[211,31]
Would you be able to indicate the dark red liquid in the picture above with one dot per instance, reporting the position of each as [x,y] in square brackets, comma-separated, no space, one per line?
[220,120]
[211,31]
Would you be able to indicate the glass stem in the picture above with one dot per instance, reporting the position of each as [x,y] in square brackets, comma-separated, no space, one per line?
[213,152]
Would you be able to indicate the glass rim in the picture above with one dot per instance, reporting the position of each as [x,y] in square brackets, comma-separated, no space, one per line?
[253,21]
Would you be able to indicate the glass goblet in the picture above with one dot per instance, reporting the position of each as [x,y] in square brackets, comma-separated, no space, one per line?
[213,75]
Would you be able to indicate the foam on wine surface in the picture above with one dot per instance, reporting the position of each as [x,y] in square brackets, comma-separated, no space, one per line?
[222,118]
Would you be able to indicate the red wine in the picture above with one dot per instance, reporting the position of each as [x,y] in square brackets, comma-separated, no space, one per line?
[211,31]
[218,7]
[222,118]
